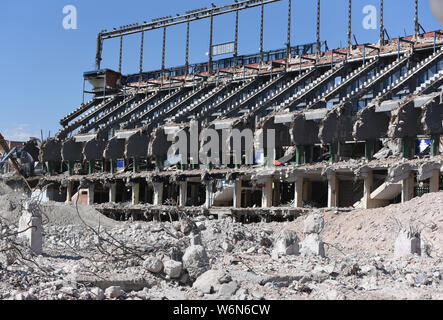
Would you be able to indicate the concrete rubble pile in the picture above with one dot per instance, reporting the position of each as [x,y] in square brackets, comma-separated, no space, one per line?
[88,256]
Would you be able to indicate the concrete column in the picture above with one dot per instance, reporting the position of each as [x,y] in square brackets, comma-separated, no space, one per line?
[298,194]
[267,194]
[30,225]
[183,197]
[135,193]
[209,194]
[407,189]
[434,181]
[158,193]
[332,190]
[113,193]
[237,194]
[368,182]
[69,192]
[91,193]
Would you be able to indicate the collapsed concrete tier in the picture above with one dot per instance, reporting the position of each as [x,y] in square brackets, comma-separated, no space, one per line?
[357,131]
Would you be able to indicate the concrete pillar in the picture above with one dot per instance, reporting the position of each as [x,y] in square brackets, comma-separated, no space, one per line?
[31,223]
[91,192]
[332,190]
[135,193]
[237,194]
[368,182]
[69,192]
[298,192]
[209,194]
[183,197]
[158,193]
[434,181]
[113,193]
[407,189]
[267,193]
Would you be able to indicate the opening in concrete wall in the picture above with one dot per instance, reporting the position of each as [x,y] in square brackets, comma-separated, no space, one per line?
[350,191]
[319,198]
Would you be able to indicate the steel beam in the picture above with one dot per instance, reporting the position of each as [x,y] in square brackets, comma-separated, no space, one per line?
[261,32]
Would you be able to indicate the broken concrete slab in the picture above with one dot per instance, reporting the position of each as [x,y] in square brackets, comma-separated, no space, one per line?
[93,149]
[51,150]
[115,149]
[370,125]
[72,150]
[137,145]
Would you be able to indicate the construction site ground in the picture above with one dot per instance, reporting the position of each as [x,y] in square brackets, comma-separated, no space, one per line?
[89,256]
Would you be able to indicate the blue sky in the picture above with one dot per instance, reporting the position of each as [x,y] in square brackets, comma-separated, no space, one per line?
[42,64]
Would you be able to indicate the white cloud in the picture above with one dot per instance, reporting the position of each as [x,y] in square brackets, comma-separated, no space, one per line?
[18,132]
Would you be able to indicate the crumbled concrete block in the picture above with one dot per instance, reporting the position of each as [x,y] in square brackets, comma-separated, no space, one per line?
[114,292]
[153,265]
[195,261]
[173,269]
[31,221]
[313,245]
[314,223]
[286,243]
